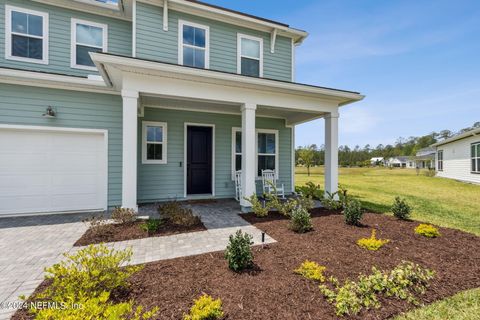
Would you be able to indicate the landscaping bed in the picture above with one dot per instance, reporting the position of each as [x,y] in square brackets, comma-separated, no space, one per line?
[271,289]
[130,231]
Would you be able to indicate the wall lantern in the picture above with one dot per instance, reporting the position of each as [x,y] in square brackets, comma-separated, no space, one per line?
[49,113]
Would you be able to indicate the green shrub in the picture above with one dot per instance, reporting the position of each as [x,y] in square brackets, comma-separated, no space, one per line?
[353,212]
[403,282]
[205,308]
[427,230]
[178,215]
[124,215]
[300,220]
[310,190]
[372,243]
[401,209]
[86,279]
[285,207]
[260,208]
[151,225]
[330,202]
[239,253]
[311,270]
[430,173]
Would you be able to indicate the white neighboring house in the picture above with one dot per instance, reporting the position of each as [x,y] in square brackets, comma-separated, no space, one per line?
[377,161]
[400,162]
[458,157]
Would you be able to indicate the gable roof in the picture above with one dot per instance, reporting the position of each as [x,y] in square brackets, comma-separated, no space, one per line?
[461,136]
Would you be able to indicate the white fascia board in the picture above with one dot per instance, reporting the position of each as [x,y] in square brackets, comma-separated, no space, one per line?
[180,72]
[467,134]
[90,6]
[46,80]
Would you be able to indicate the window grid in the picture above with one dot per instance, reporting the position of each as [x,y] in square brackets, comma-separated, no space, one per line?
[146,142]
[75,43]
[183,45]
[241,56]
[475,155]
[440,160]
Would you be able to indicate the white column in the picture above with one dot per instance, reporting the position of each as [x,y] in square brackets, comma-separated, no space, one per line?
[331,152]
[248,152]
[129,150]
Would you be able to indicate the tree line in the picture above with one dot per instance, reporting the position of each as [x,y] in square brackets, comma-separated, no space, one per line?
[314,155]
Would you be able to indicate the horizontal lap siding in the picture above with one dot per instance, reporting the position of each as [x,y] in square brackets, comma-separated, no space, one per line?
[166,181]
[457,160]
[155,44]
[22,105]
[119,37]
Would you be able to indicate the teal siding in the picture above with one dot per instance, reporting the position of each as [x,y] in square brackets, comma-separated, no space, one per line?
[166,181]
[119,37]
[23,105]
[155,44]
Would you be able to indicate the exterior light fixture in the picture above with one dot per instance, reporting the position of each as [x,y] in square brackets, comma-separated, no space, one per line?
[49,113]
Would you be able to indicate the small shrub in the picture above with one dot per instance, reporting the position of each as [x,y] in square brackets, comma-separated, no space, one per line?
[372,243]
[329,201]
[124,215]
[311,270]
[286,207]
[260,208]
[430,173]
[178,215]
[427,230]
[403,282]
[151,225]
[205,308]
[353,212]
[310,190]
[99,225]
[300,220]
[401,209]
[239,253]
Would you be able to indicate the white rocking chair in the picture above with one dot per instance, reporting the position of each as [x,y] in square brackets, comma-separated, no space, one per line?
[238,185]
[269,181]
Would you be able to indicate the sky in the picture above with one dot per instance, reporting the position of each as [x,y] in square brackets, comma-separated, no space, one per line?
[417,62]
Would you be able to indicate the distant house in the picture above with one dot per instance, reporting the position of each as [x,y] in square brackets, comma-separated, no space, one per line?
[425,158]
[459,157]
[399,162]
[377,161]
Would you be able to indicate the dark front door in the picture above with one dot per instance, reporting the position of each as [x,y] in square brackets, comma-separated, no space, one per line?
[199,160]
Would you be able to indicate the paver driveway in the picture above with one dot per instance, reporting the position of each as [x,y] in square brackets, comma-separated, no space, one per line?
[29,244]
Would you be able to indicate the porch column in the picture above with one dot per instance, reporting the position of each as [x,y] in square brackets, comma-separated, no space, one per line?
[129,150]
[331,152]
[248,152]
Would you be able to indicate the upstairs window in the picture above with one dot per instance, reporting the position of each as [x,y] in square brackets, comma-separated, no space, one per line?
[250,56]
[475,154]
[440,160]
[193,45]
[26,37]
[87,37]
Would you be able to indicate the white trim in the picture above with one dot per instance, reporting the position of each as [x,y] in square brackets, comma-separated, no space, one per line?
[165,15]
[73,41]
[257,131]
[293,157]
[273,40]
[164,142]
[241,36]
[134,28]
[294,62]
[8,34]
[182,23]
[72,130]
[185,127]
[467,134]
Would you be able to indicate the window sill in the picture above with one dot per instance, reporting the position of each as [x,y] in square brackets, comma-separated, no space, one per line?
[28,60]
[154,162]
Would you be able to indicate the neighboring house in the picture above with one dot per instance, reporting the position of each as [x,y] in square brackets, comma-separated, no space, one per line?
[377,161]
[425,158]
[458,157]
[106,105]
[399,162]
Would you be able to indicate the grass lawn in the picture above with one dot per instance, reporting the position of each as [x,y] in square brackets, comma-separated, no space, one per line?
[443,202]
[439,201]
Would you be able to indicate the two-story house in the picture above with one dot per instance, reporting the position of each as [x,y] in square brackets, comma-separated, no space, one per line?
[114,104]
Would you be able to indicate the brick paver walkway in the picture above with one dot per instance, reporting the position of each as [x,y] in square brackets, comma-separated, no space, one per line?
[30,244]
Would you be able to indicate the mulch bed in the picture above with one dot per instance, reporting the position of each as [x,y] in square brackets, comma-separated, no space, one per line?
[272,291]
[122,232]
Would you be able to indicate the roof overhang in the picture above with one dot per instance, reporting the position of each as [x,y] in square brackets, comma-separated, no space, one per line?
[464,135]
[170,81]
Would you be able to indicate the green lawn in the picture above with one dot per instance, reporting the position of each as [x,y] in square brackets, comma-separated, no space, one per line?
[439,201]
[443,202]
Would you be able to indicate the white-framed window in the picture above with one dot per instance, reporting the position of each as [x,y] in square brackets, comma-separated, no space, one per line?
[440,160]
[249,55]
[26,35]
[475,155]
[87,37]
[154,142]
[193,45]
[266,146]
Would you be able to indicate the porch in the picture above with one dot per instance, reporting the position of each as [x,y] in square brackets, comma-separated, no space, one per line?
[240,106]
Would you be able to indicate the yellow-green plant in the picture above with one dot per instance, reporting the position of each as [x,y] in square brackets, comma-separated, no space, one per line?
[372,243]
[311,270]
[205,308]
[427,230]
[260,209]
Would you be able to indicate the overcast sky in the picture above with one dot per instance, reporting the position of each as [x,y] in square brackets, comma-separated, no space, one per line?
[417,61]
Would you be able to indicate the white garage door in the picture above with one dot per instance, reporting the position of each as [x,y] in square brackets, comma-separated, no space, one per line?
[49,171]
